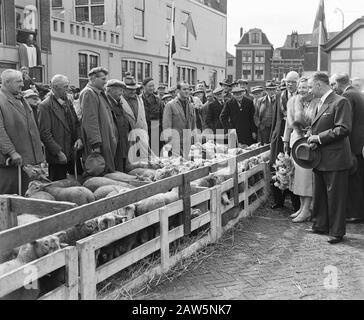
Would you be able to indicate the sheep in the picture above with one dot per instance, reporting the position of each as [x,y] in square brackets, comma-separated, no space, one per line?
[77,195]
[79,232]
[41,195]
[103,192]
[94,183]
[121,177]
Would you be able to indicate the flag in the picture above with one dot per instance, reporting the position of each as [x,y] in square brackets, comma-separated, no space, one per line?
[171,48]
[319,27]
[190,26]
[118,13]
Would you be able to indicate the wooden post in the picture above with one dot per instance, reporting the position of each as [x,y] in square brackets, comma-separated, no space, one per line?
[186,193]
[7,221]
[87,270]
[213,213]
[236,185]
[164,239]
[218,213]
[246,194]
[72,273]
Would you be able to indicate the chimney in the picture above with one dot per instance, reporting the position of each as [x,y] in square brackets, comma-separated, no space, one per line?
[241,32]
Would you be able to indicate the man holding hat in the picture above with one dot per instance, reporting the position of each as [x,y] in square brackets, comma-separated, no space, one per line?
[238,114]
[114,89]
[154,113]
[214,111]
[34,101]
[331,128]
[98,126]
[135,114]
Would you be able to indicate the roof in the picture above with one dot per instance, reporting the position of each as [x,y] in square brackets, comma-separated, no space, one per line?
[229,56]
[306,39]
[289,53]
[245,38]
[340,37]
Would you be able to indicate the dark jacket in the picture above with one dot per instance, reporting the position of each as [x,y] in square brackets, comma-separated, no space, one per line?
[333,125]
[18,130]
[241,119]
[56,131]
[214,110]
[356,100]
[124,128]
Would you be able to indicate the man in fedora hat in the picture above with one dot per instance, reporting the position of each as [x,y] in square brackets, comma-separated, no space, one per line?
[98,126]
[331,128]
[238,114]
[341,84]
[114,89]
[245,85]
[134,109]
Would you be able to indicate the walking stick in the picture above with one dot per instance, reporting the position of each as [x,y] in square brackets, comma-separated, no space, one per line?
[75,165]
[19,180]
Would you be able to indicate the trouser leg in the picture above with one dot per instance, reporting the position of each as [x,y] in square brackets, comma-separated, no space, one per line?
[320,206]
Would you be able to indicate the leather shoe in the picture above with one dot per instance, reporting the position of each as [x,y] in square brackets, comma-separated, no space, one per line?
[316,231]
[276,206]
[353,220]
[334,240]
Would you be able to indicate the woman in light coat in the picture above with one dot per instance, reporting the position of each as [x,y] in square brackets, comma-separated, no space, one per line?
[300,112]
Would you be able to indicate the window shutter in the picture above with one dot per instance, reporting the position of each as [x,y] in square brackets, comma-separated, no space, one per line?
[45,24]
[9,17]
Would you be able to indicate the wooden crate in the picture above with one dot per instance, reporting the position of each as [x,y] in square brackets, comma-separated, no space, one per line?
[67,258]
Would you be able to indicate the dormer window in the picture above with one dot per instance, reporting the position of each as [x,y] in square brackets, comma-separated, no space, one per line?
[255,38]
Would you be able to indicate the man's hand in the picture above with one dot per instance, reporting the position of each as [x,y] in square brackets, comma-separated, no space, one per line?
[313,139]
[62,158]
[78,145]
[286,147]
[255,136]
[16,159]
[313,146]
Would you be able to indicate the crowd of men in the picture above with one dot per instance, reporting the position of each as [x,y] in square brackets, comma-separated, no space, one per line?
[119,119]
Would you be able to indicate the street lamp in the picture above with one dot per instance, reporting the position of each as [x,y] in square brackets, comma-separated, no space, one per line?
[338,10]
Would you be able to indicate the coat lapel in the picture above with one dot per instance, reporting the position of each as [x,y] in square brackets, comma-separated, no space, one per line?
[18,105]
[127,108]
[180,109]
[59,113]
[323,109]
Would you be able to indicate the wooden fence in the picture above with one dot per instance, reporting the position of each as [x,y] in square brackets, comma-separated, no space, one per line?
[56,220]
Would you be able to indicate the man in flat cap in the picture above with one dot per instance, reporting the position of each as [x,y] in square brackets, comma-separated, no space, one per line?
[214,111]
[161,91]
[34,101]
[154,108]
[227,86]
[238,114]
[98,125]
[114,89]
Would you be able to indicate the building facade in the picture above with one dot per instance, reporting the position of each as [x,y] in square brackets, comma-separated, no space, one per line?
[346,50]
[26,23]
[253,57]
[285,60]
[133,36]
[230,67]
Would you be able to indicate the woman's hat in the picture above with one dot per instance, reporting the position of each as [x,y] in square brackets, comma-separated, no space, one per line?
[304,156]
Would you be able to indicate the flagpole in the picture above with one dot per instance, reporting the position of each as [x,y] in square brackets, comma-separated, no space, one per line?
[319,48]
[170,66]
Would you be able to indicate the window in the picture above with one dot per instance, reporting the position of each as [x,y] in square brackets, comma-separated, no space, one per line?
[26,17]
[86,62]
[185,33]
[259,72]
[255,38]
[163,74]
[139,69]
[230,78]
[213,79]
[57,4]
[169,17]
[247,56]
[247,71]
[186,74]
[259,56]
[139,15]
[230,62]
[91,11]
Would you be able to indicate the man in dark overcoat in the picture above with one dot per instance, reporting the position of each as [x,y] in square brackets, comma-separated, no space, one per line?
[214,111]
[60,131]
[20,142]
[343,87]
[238,114]
[331,128]
[98,127]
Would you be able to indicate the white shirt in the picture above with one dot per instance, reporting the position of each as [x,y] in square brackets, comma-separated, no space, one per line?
[323,99]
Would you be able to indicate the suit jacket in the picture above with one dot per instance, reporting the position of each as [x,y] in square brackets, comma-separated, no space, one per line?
[56,132]
[356,100]
[98,126]
[213,116]
[18,130]
[333,125]
[175,120]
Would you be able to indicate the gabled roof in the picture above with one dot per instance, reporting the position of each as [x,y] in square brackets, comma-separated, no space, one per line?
[339,38]
[290,53]
[229,56]
[245,38]
[306,39]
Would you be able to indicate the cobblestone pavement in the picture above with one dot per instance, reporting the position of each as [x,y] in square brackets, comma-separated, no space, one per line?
[269,257]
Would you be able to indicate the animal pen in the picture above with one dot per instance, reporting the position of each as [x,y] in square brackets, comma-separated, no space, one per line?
[248,190]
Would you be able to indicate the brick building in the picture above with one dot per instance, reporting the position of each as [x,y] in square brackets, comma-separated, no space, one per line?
[230,67]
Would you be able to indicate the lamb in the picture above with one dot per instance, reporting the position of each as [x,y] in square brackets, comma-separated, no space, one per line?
[121,177]
[77,195]
[94,183]
[79,232]
[105,191]
[41,195]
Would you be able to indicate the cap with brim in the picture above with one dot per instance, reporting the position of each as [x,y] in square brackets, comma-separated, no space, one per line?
[304,156]
[242,81]
[271,85]
[130,83]
[161,88]
[257,89]
[237,90]
[197,91]
[226,83]
[30,94]
[166,96]
[115,83]
[218,91]
[172,89]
